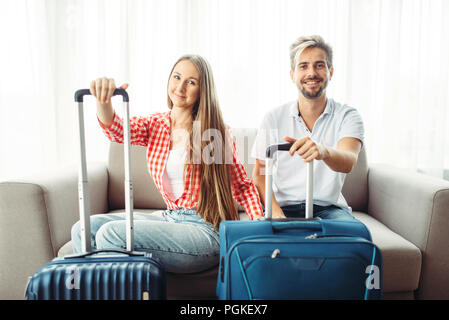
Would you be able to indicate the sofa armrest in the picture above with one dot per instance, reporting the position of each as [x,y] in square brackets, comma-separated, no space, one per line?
[36,216]
[24,236]
[415,206]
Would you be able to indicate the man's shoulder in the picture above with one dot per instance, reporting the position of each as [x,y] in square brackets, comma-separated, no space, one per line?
[341,108]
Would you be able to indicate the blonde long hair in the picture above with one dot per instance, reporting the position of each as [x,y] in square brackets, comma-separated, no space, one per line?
[215,200]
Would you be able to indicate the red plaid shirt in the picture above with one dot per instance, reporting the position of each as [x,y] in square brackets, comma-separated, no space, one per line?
[153,132]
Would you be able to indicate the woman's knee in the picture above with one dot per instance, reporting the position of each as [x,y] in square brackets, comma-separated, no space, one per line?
[75,231]
[111,235]
[96,221]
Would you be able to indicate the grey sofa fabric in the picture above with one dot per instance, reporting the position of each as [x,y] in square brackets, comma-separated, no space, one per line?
[406,213]
[401,259]
[416,206]
[25,240]
[146,195]
[36,215]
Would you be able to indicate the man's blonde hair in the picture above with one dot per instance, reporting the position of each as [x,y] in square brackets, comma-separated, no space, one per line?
[315,41]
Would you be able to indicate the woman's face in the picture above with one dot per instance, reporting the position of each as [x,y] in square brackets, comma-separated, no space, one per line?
[184,85]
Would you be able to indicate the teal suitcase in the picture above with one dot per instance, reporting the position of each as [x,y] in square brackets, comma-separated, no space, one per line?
[297,258]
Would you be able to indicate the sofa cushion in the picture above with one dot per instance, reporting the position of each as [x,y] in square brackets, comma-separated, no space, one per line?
[355,187]
[145,193]
[66,249]
[401,260]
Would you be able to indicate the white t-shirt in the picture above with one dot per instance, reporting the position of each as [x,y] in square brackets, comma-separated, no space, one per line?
[289,173]
[172,179]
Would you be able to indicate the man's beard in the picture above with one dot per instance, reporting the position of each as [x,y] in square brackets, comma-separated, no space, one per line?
[311,95]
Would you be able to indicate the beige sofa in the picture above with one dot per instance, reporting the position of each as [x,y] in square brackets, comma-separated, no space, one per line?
[406,212]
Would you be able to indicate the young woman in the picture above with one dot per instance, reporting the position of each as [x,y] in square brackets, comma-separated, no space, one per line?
[193,161]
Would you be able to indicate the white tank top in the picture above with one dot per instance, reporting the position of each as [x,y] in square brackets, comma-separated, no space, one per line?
[172,179]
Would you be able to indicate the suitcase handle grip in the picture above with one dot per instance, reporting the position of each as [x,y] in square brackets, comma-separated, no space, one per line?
[270,151]
[86,254]
[79,94]
[285,224]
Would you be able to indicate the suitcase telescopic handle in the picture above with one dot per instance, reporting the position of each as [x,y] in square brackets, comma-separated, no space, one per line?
[79,94]
[83,190]
[270,151]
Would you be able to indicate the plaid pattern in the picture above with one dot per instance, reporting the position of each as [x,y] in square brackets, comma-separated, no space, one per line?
[153,132]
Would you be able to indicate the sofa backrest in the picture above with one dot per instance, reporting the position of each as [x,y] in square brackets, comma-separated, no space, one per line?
[146,195]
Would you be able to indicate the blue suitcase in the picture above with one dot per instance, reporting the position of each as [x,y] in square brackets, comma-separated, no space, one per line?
[105,274]
[297,258]
[99,275]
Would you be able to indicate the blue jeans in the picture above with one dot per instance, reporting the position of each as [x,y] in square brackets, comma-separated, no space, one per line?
[326,212]
[180,238]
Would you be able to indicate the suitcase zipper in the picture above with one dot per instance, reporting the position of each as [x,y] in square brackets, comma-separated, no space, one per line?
[316,236]
[275,253]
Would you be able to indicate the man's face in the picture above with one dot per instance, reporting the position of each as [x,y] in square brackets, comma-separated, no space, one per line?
[311,73]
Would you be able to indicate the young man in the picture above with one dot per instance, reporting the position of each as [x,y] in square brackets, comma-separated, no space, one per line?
[320,129]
